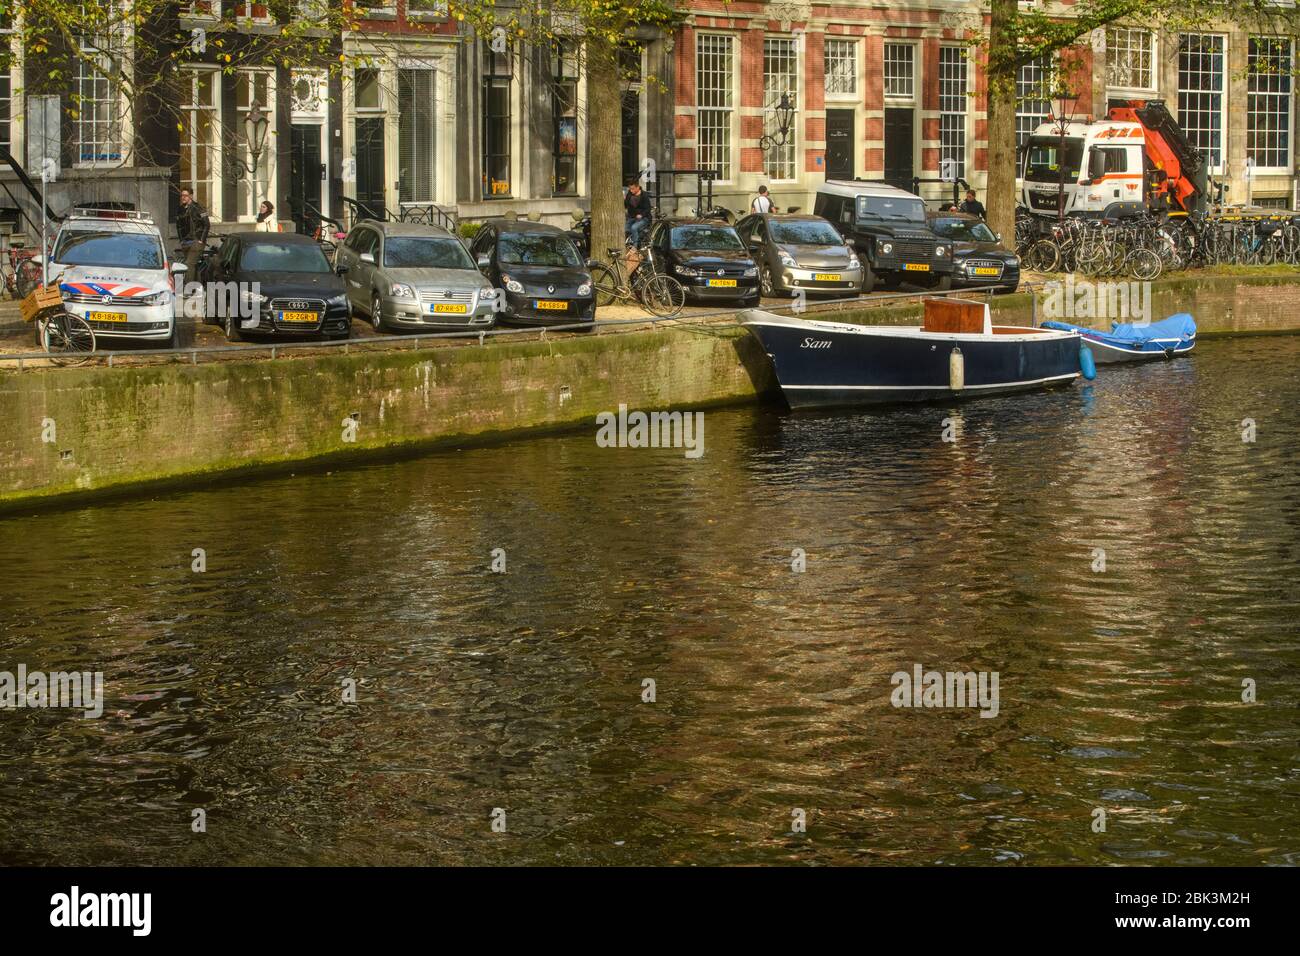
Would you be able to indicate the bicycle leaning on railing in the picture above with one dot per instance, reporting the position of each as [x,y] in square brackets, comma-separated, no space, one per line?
[65,336]
[658,294]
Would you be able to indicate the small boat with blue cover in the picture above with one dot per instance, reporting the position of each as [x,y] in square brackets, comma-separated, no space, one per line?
[1137,341]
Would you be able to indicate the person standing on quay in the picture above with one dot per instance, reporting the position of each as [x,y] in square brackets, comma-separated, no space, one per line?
[192,227]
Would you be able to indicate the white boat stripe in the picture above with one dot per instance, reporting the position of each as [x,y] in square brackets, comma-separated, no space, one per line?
[913,388]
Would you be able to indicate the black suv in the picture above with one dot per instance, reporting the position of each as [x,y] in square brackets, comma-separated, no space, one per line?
[888,228]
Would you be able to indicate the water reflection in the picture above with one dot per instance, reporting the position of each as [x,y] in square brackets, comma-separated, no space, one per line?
[522,691]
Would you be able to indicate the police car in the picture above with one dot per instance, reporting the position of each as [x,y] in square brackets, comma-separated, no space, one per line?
[113,271]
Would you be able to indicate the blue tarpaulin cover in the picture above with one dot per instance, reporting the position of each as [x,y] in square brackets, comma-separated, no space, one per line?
[1179,327]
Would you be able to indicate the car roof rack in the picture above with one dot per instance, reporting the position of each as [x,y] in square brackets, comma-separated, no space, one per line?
[93,212]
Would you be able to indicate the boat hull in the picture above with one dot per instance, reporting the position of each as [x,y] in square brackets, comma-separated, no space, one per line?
[1106,353]
[821,364]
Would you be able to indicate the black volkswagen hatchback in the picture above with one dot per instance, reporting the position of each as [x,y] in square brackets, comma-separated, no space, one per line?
[280,284]
[544,278]
[707,257]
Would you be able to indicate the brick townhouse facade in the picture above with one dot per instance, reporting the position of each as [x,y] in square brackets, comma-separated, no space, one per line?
[426,113]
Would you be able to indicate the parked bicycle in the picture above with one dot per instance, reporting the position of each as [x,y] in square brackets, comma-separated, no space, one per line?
[658,294]
[21,274]
[65,336]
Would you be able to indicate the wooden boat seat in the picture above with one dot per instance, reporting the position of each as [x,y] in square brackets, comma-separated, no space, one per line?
[954,316]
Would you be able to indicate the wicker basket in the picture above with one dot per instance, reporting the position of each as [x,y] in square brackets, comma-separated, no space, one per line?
[46,297]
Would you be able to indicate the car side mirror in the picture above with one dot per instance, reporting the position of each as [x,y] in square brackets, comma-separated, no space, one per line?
[997,237]
[368,258]
[484,262]
[340,268]
[178,267]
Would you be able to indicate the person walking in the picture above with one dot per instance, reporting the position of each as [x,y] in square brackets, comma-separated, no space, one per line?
[636,212]
[972,206]
[762,202]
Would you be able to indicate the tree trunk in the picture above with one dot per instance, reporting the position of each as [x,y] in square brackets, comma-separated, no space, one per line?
[1002,71]
[605,139]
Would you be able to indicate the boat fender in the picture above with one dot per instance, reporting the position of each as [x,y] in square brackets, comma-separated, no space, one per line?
[1086,363]
[956,370]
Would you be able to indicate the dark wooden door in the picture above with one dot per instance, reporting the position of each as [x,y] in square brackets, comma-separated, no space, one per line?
[840,144]
[370,166]
[307,172]
[900,131]
[631,134]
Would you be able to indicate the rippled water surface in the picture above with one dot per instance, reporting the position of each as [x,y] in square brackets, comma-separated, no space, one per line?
[1119,690]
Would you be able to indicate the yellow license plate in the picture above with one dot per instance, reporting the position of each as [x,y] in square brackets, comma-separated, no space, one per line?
[985,271]
[723,283]
[826,277]
[916,267]
[298,317]
[552,306]
[449,307]
[107,316]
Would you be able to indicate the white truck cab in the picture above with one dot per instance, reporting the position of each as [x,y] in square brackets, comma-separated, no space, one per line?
[1103,164]
[113,270]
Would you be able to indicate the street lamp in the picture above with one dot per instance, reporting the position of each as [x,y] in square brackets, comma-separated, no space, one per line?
[784,111]
[255,133]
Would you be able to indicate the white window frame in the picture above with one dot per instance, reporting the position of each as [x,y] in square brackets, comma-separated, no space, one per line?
[1222,92]
[266,166]
[1024,90]
[116,43]
[1129,48]
[910,96]
[850,44]
[954,101]
[12,81]
[189,109]
[727,111]
[777,159]
[1288,112]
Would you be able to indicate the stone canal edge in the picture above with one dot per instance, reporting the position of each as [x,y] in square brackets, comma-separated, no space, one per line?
[72,434]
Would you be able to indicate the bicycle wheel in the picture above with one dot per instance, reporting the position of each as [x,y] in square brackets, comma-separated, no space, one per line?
[663,296]
[1042,256]
[1144,265]
[68,338]
[608,289]
[26,278]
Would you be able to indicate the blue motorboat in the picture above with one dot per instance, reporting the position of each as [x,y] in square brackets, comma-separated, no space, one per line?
[1137,341]
[956,353]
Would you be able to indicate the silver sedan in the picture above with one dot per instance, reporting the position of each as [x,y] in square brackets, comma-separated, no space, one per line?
[408,276]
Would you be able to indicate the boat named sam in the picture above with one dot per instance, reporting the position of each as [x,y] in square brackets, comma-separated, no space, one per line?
[957,352]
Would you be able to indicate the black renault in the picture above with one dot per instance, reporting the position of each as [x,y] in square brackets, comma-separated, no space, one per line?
[280,284]
[978,257]
[544,278]
[707,257]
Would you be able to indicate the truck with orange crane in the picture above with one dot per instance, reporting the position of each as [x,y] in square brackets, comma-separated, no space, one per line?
[1137,159]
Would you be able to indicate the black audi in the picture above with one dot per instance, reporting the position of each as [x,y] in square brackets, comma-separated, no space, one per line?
[707,257]
[275,284]
[545,281]
[978,258]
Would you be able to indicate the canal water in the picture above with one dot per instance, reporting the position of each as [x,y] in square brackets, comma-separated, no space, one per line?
[1119,690]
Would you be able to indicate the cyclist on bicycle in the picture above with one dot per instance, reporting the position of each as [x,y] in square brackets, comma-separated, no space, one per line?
[637,212]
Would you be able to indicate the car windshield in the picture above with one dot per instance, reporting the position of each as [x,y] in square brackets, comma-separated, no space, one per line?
[907,209]
[536,249]
[425,252]
[963,230]
[1042,165]
[706,239]
[286,257]
[805,232]
[84,247]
